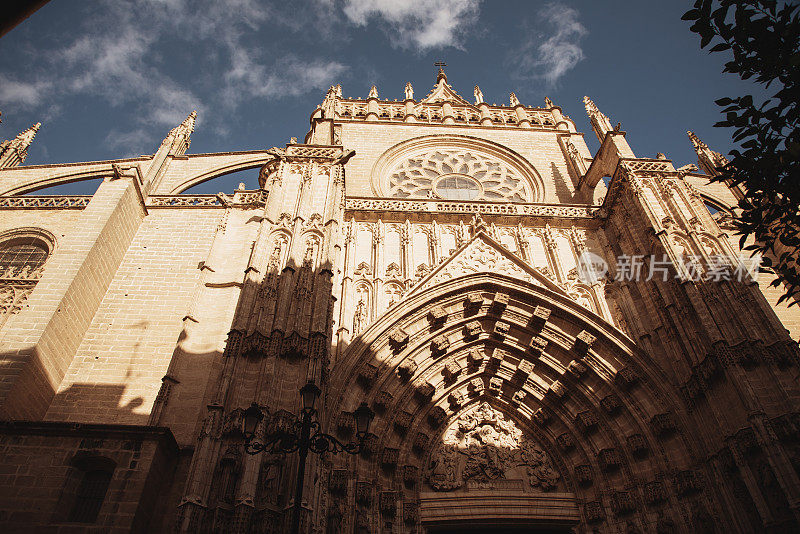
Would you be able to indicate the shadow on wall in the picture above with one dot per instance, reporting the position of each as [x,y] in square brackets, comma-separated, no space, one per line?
[94,403]
[563,189]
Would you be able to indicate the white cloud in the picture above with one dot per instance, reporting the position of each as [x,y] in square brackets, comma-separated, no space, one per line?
[419,24]
[23,94]
[129,144]
[551,55]
[126,53]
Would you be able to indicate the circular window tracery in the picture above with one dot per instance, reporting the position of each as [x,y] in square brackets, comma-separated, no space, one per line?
[457,187]
[457,174]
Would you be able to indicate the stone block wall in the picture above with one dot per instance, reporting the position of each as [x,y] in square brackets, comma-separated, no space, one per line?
[40,470]
[117,370]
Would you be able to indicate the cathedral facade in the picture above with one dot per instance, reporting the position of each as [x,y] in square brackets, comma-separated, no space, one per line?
[551,340]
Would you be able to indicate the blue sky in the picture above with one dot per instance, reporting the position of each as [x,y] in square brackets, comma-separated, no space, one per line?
[109,79]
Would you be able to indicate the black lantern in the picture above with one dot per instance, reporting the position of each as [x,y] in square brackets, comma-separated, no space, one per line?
[252,416]
[286,434]
[363,416]
[309,394]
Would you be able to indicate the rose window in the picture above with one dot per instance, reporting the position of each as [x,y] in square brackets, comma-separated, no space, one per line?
[458,174]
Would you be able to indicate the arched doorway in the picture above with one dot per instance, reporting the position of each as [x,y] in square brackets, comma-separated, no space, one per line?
[552,417]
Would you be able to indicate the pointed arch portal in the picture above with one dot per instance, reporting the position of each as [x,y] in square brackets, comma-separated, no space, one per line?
[503,403]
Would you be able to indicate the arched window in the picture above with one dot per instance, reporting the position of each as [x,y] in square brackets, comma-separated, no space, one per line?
[90,496]
[85,489]
[22,258]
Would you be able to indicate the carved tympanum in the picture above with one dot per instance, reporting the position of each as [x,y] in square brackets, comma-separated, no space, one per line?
[484,446]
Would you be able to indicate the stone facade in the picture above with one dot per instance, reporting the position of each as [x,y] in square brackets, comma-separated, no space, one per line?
[427,257]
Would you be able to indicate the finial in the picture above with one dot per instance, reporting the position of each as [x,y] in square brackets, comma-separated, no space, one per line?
[25,138]
[189,122]
[600,123]
[696,142]
[514,101]
[339,90]
[440,75]
[707,159]
[373,92]
[478,95]
[409,91]
[14,152]
[548,102]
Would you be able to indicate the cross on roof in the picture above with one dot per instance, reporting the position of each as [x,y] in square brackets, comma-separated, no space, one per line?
[440,64]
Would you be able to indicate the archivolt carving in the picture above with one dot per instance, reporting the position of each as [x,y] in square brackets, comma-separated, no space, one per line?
[483,446]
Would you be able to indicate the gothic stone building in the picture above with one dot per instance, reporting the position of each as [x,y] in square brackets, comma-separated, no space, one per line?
[424,256]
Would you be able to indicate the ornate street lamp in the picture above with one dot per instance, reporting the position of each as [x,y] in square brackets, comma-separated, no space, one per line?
[302,435]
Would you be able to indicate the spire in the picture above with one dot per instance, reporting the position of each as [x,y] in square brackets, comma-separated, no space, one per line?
[14,152]
[329,104]
[600,123]
[186,128]
[176,143]
[180,137]
[707,159]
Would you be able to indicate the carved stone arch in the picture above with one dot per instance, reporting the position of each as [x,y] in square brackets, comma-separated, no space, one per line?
[679,240]
[257,160]
[588,386]
[717,203]
[313,238]
[363,305]
[393,290]
[708,241]
[583,294]
[284,237]
[42,236]
[384,165]
[51,181]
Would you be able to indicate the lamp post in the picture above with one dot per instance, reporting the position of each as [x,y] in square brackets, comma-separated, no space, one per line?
[303,435]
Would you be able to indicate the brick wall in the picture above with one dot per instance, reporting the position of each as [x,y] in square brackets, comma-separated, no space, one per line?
[38,471]
[117,370]
[40,342]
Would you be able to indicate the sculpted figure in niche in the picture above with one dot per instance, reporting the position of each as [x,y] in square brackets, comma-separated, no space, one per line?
[483,446]
[359,317]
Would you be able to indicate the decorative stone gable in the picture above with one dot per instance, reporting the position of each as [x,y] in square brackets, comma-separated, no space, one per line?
[483,254]
[482,448]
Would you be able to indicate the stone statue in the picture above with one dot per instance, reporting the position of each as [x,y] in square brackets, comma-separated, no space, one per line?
[513,100]
[359,317]
[409,91]
[548,102]
[478,95]
[483,446]
[373,92]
